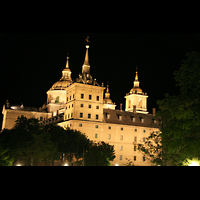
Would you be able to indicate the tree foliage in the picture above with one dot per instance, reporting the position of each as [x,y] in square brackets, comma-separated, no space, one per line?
[30,143]
[180,116]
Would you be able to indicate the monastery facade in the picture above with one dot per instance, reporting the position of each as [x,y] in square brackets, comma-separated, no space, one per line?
[81,105]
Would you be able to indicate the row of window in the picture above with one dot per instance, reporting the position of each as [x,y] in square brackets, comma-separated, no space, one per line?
[90,97]
[108,116]
[109,127]
[89,116]
[121,138]
[82,97]
[134,158]
[89,106]
[70,98]
[82,105]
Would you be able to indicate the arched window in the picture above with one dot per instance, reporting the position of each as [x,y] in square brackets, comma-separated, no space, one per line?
[57,99]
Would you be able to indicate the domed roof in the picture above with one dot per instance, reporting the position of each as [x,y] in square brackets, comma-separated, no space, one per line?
[66,79]
[136,90]
[61,85]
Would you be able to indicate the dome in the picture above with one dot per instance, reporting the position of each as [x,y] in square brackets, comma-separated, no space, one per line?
[61,85]
[136,90]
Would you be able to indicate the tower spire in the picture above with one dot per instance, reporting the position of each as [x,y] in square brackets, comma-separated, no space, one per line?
[136,82]
[86,65]
[67,64]
[86,62]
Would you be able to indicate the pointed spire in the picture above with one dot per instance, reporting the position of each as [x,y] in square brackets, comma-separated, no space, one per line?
[66,73]
[86,62]
[67,64]
[107,94]
[136,82]
[86,65]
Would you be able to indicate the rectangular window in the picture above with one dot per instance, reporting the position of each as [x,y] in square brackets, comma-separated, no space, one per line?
[81,115]
[89,116]
[82,96]
[120,117]
[71,115]
[136,130]
[135,158]
[96,135]
[96,126]
[82,105]
[144,159]
[122,129]
[97,98]
[97,117]
[142,120]
[121,137]
[89,106]
[121,148]
[135,139]
[144,131]
[121,157]
[109,127]
[80,125]
[144,139]
[90,97]
[107,116]
[133,119]
[97,107]
[109,136]
[135,148]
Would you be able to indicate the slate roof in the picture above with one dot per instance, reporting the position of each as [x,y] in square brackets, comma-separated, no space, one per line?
[127,118]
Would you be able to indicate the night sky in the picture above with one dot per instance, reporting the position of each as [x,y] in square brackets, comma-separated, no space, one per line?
[32,62]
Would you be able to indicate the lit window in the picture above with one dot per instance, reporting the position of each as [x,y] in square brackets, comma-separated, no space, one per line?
[121,137]
[107,116]
[120,117]
[133,119]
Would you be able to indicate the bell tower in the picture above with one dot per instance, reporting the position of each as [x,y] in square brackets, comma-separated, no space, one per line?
[136,98]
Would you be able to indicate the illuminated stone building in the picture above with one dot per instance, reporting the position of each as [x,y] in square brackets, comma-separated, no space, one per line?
[82,105]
